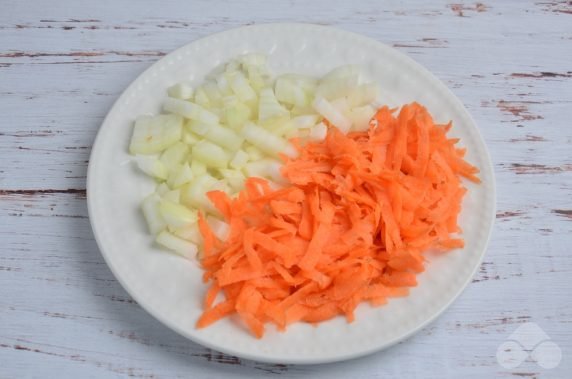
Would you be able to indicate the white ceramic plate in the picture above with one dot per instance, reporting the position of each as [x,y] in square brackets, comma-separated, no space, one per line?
[170,288]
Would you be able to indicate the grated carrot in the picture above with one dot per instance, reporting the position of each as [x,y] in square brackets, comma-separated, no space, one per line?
[351,227]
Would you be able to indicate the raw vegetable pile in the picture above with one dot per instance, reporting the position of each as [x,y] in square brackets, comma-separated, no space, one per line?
[302,199]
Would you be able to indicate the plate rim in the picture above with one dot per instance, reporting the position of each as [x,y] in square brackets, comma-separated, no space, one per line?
[435,81]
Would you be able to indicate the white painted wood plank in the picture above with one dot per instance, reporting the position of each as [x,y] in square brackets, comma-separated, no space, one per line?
[61,67]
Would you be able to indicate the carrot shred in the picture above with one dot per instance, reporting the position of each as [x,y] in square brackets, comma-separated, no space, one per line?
[212,315]
[350,227]
[211,296]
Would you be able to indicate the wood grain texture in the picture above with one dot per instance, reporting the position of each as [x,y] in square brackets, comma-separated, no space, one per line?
[62,64]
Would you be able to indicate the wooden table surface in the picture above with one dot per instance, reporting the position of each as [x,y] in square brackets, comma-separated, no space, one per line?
[62,65]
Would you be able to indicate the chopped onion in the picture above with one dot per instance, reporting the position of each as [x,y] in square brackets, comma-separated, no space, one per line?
[190,233]
[266,141]
[189,137]
[318,132]
[304,122]
[217,134]
[235,113]
[172,195]
[178,245]
[198,168]
[182,175]
[175,155]
[240,87]
[336,88]
[193,194]
[234,178]
[182,91]
[150,208]
[254,153]
[364,94]
[190,110]
[152,166]
[213,93]
[269,107]
[223,85]
[265,168]
[162,189]
[202,98]
[210,154]
[154,134]
[175,214]
[239,160]
[288,92]
[330,113]
[361,117]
